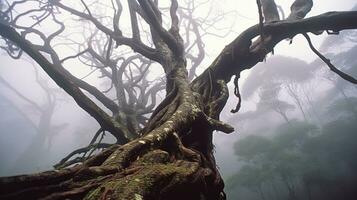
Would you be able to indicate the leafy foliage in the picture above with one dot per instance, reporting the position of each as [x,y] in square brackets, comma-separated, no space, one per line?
[300,159]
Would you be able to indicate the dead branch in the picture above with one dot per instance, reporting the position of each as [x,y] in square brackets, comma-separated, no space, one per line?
[328,62]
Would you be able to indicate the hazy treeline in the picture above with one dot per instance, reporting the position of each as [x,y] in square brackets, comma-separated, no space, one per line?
[37,120]
[300,142]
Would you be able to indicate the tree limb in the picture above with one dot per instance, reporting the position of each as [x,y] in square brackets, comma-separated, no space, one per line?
[240,55]
[165,35]
[328,62]
[270,10]
[299,9]
[64,82]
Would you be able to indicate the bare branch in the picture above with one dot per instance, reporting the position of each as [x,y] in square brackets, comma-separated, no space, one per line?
[74,56]
[87,9]
[299,9]
[328,62]
[242,55]
[174,17]
[134,20]
[65,162]
[62,80]
[261,19]
[270,10]
[136,46]
[116,18]
[154,21]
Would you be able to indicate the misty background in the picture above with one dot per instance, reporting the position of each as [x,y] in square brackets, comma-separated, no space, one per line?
[295,134]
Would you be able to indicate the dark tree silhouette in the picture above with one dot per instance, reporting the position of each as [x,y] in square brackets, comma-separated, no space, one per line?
[168,155]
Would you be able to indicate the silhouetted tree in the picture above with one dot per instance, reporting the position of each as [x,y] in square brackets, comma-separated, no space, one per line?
[43,124]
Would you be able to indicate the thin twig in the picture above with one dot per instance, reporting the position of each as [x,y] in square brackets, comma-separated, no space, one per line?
[328,62]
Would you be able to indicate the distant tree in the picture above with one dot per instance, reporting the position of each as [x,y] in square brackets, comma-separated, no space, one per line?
[269,99]
[252,178]
[280,157]
[301,160]
[289,76]
[39,116]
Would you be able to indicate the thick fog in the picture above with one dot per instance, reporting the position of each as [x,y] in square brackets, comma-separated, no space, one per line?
[295,135]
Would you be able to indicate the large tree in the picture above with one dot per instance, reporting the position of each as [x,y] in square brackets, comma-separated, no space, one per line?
[161,153]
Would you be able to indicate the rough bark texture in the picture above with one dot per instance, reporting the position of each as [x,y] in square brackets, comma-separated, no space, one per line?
[173,159]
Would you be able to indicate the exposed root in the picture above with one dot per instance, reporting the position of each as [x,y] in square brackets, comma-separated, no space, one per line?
[98,159]
[71,183]
[10,184]
[67,161]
